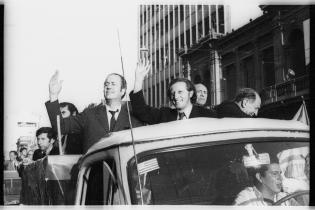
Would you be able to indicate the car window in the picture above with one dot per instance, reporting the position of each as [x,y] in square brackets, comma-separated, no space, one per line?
[101,187]
[204,175]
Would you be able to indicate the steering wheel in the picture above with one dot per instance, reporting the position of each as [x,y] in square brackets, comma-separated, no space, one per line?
[292,195]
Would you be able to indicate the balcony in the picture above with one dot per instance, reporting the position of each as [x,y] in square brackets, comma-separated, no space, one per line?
[289,89]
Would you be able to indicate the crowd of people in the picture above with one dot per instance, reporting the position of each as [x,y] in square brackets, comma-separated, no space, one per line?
[16,159]
[81,130]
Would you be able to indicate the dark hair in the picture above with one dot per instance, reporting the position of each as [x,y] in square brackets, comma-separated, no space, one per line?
[13,151]
[122,80]
[189,85]
[260,170]
[243,93]
[50,132]
[23,148]
[71,107]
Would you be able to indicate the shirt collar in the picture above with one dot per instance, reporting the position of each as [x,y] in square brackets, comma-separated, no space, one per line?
[113,109]
[187,111]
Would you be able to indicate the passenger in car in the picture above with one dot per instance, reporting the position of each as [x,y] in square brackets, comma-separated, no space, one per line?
[202,95]
[97,121]
[266,189]
[181,93]
[246,104]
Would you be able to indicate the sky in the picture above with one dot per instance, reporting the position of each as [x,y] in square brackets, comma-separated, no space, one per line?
[80,39]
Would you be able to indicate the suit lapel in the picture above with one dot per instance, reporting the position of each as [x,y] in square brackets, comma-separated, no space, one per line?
[122,118]
[173,115]
[101,116]
[194,112]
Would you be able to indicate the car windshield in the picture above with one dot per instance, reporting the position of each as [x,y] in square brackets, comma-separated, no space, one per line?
[214,174]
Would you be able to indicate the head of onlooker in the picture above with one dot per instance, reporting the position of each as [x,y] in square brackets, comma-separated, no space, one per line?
[30,154]
[68,109]
[115,87]
[13,155]
[202,94]
[23,152]
[45,139]
[181,93]
[248,101]
[13,163]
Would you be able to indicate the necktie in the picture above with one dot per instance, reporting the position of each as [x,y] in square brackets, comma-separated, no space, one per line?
[181,115]
[112,120]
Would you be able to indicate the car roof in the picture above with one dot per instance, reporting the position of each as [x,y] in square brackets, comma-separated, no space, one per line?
[195,126]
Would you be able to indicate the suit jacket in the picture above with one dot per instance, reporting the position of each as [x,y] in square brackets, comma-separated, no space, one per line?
[152,115]
[92,122]
[73,144]
[38,154]
[230,109]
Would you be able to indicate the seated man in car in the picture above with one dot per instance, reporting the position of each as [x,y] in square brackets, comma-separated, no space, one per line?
[266,189]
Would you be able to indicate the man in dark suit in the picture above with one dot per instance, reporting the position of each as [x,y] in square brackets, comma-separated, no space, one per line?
[46,143]
[181,93]
[94,122]
[71,143]
[246,104]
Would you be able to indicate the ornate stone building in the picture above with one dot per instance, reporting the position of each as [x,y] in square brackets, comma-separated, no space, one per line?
[270,54]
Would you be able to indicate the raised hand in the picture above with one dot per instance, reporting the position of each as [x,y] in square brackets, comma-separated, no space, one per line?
[141,71]
[55,86]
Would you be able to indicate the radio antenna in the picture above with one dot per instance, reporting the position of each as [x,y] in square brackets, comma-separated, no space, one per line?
[131,130]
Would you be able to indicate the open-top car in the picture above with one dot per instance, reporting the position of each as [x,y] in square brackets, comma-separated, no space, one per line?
[200,161]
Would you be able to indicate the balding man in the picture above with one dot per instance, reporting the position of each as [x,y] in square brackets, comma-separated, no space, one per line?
[202,94]
[246,104]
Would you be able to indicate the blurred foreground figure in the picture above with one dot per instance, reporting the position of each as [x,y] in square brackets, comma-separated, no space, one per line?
[11,164]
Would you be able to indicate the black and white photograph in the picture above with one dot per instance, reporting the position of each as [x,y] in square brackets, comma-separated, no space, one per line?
[165,103]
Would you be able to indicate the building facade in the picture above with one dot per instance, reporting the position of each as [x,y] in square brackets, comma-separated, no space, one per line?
[166,32]
[270,54]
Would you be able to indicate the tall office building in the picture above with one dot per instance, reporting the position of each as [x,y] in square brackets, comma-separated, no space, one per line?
[165,32]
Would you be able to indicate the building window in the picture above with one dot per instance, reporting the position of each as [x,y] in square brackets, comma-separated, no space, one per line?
[194,38]
[188,38]
[296,53]
[213,18]
[229,82]
[181,12]
[187,11]
[158,94]
[221,19]
[153,94]
[247,68]
[162,93]
[268,67]
[176,16]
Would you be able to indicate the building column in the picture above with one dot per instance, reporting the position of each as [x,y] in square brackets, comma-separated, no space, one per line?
[238,75]
[257,66]
[215,77]
[279,52]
